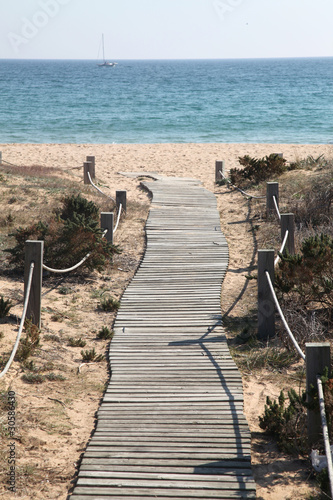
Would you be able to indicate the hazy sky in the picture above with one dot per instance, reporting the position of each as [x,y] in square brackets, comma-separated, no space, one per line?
[165,29]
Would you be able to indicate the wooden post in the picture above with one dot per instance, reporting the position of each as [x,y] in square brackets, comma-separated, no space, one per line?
[219,167]
[34,253]
[107,222]
[92,161]
[318,357]
[288,224]
[272,189]
[266,306]
[0,157]
[121,199]
[87,167]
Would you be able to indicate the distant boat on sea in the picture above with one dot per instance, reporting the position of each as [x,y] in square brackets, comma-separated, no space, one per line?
[106,63]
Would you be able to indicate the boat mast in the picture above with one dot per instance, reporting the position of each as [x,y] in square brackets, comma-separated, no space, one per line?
[103,46]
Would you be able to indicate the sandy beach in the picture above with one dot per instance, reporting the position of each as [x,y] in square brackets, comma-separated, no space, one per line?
[195,161]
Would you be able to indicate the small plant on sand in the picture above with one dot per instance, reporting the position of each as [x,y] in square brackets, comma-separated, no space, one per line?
[5,306]
[287,423]
[109,304]
[29,344]
[92,356]
[33,378]
[78,342]
[105,333]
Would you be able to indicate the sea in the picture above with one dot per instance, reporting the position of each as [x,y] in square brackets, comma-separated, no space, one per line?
[162,101]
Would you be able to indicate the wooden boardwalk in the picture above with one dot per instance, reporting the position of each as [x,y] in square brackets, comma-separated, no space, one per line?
[171,424]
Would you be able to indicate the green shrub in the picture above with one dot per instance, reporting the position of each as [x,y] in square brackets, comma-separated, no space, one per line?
[5,306]
[33,378]
[109,304]
[310,273]
[69,236]
[105,333]
[76,342]
[29,344]
[52,377]
[257,170]
[287,423]
[92,356]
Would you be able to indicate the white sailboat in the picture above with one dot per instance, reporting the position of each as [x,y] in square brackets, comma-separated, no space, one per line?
[105,62]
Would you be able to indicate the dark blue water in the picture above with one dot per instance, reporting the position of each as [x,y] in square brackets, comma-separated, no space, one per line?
[258,100]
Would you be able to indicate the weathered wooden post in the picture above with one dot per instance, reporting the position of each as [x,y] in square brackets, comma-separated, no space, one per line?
[266,306]
[92,161]
[121,199]
[288,224]
[107,222]
[219,167]
[34,253]
[318,357]
[87,167]
[0,157]
[272,189]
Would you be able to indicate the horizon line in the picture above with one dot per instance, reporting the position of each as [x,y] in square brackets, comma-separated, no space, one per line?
[167,59]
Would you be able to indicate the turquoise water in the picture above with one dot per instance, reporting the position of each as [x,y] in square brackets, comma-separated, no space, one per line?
[262,100]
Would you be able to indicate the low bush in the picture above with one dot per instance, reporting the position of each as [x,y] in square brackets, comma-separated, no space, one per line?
[5,306]
[257,170]
[109,304]
[30,343]
[76,342]
[92,356]
[69,236]
[309,274]
[105,333]
[287,423]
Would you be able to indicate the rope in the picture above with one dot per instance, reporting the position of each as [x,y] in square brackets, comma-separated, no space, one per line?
[118,218]
[277,208]
[62,271]
[325,432]
[282,248]
[239,189]
[19,333]
[299,350]
[99,190]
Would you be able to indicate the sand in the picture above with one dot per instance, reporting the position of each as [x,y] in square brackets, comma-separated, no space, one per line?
[277,476]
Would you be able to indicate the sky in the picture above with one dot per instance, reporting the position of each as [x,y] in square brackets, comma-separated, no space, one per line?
[165,29]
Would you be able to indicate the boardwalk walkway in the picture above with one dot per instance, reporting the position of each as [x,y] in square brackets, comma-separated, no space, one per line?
[171,424]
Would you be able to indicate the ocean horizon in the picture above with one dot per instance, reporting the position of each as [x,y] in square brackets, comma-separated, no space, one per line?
[281,100]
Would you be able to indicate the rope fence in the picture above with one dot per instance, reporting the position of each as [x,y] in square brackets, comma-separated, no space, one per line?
[276,207]
[325,433]
[24,313]
[97,188]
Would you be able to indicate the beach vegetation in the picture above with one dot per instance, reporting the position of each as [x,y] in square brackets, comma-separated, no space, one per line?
[91,355]
[30,343]
[285,419]
[109,304]
[256,170]
[71,234]
[76,342]
[105,333]
[5,306]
